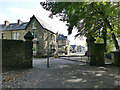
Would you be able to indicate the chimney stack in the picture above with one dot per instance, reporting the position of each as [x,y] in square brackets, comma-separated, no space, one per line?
[6,23]
[19,22]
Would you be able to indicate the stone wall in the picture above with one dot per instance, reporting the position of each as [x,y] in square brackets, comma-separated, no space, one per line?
[115,57]
[14,53]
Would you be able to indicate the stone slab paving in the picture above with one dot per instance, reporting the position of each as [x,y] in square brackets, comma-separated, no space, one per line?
[62,74]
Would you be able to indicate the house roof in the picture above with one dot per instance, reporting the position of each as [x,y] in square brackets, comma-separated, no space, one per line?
[61,37]
[24,25]
[59,46]
[42,23]
[73,46]
[13,26]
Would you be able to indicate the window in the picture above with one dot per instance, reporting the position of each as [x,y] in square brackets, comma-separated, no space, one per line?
[63,42]
[34,34]
[34,25]
[51,36]
[16,36]
[50,48]
[3,35]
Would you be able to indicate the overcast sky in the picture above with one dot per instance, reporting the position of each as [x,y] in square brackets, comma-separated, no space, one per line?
[12,10]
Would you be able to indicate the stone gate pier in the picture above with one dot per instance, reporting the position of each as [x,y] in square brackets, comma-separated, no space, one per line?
[95,52]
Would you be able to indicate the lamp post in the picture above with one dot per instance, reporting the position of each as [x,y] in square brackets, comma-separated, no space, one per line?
[48,40]
[48,55]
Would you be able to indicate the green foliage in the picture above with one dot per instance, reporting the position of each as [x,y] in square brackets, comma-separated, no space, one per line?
[66,49]
[87,17]
[34,48]
[99,40]
[109,46]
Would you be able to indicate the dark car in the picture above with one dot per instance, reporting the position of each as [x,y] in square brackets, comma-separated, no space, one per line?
[86,53]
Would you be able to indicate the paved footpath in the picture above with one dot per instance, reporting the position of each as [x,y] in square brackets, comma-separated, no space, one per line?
[62,74]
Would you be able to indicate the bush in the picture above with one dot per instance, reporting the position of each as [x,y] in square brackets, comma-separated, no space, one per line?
[34,48]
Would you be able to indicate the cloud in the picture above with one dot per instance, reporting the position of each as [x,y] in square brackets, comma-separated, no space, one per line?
[2,19]
[27,13]
[21,13]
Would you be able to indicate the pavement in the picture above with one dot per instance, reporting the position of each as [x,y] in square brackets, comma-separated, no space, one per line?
[82,58]
[62,73]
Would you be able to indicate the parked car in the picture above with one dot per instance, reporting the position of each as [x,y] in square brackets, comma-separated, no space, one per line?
[86,53]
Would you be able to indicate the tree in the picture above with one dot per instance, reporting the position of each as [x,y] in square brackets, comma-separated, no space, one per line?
[95,18]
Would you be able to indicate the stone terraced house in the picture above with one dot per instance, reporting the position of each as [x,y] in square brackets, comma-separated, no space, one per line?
[77,48]
[63,44]
[44,38]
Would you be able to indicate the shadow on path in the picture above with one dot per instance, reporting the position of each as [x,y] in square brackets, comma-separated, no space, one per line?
[62,74]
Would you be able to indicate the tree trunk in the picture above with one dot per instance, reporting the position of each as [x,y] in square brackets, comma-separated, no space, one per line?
[110,27]
[104,36]
[113,34]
